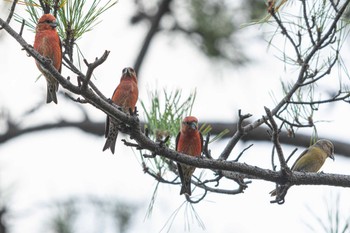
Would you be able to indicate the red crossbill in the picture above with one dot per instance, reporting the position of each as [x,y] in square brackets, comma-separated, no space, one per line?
[125,96]
[312,159]
[48,44]
[189,141]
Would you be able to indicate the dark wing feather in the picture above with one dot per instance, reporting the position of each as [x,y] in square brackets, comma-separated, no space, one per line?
[107,127]
[177,140]
[181,174]
[179,168]
[60,68]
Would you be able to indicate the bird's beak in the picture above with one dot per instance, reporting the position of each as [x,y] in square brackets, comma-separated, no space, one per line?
[331,156]
[127,72]
[53,24]
[193,125]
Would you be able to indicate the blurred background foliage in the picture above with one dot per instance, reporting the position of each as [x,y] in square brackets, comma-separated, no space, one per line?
[74,18]
[211,26]
[94,213]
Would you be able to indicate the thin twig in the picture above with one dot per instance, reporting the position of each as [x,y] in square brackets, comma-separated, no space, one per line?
[306,19]
[275,140]
[206,150]
[22,27]
[291,154]
[242,152]
[92,67]
[75,70]
[12,10]
[286,34]
[241,131]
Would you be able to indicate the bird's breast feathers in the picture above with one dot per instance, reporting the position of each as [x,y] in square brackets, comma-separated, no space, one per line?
[189,145]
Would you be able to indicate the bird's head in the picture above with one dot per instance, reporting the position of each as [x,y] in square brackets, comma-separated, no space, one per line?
[189,124]
[46,22]
[129,73]
[327,146]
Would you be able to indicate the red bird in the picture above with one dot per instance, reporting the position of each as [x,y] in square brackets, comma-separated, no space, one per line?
[48,44]
[125,96]
[189,141]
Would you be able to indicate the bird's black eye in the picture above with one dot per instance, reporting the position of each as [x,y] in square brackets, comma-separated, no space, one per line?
[186,123]
[189,122]
[47,21]
[124,70]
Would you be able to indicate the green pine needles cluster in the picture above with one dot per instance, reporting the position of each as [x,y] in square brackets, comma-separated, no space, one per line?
[78,15]
[164,117]
[74,17]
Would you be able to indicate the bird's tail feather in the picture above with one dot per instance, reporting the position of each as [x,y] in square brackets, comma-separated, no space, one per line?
[273,192]
[51,93]
[111,139]
[186,188]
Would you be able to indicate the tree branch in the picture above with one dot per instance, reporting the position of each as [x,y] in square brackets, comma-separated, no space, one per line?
[97,128]
[236,137]
[12,10]
[134,127]
[275,140]
[92,67]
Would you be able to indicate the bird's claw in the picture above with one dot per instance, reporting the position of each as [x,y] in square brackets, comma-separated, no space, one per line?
[162,142]
[133,113]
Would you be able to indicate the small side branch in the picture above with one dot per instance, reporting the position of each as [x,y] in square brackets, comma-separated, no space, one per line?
[242,152]
[289,37]
[236,137]
[206,150]
[12,10]
[275,140]
[92,67]
[75,70]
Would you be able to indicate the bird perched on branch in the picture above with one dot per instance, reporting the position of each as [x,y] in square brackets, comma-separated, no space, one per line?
[125,96]
[189,141]
[48,44]
[313,158]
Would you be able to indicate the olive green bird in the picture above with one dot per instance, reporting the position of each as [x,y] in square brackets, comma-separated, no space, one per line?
[313,158]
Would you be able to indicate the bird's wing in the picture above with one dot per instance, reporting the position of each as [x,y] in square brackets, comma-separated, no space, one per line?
[177,140]
[179,169]
[301,155]
[107,127]
[60,68]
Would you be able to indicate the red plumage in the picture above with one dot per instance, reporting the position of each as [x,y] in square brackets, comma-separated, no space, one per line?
[125,96]
[189,141]
[48,44]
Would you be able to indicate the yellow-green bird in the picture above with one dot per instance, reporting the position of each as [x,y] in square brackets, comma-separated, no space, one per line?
[312,159]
